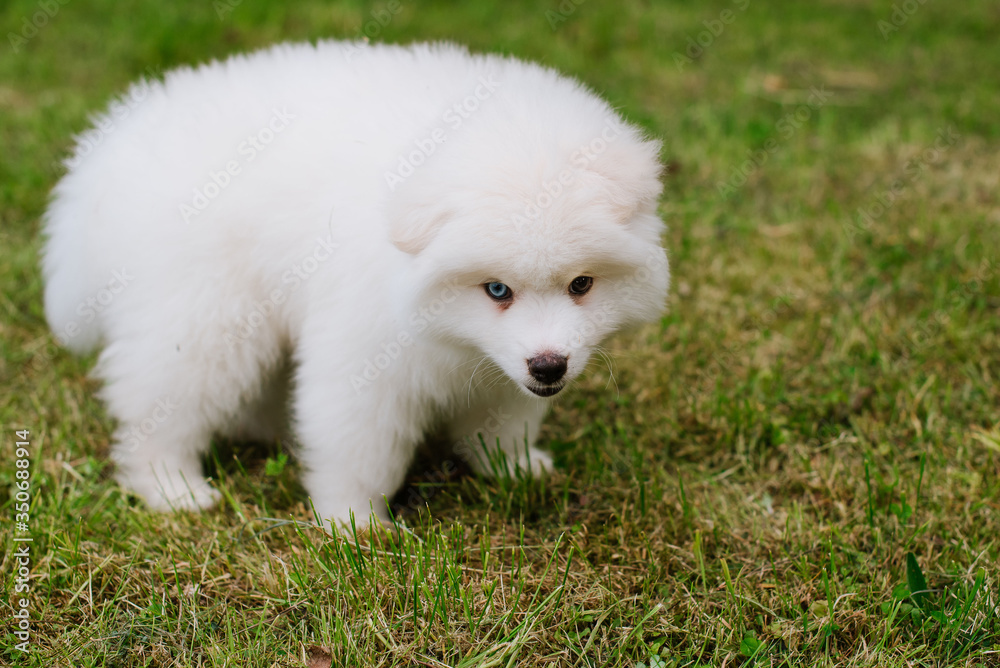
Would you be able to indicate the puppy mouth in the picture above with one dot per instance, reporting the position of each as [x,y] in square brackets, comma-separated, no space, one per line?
[546,390]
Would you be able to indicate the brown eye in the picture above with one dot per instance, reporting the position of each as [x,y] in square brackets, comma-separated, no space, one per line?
[581,285]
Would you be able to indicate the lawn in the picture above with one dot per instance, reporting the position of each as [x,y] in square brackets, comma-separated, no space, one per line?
[799,465]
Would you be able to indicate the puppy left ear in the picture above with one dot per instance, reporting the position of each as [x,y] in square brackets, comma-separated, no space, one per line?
[630,173]
[411,231]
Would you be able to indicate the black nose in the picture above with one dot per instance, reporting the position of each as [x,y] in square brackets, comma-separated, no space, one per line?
[547,367]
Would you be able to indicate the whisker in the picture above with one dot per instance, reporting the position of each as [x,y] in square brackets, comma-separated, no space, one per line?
[490,375]
[496,378]
[606,356]
[471,377]
[465,363]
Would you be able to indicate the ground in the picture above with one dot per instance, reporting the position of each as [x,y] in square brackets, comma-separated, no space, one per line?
[799,465]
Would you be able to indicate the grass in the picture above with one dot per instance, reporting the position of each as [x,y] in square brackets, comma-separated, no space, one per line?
[798,466]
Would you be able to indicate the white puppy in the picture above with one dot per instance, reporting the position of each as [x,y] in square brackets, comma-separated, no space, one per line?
[356,243]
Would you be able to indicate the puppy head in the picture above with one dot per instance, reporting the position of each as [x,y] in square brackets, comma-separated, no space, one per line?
[543,249]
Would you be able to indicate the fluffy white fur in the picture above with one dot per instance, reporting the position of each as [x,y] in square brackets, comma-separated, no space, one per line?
[330,286]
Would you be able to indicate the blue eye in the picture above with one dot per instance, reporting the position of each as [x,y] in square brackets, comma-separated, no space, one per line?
[498,291]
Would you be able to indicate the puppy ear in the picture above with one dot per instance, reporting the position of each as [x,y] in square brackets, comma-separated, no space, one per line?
[630,176]
[410,230]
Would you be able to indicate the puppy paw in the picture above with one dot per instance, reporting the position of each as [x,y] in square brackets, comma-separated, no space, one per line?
[164,493]
[535,463]
[347,516]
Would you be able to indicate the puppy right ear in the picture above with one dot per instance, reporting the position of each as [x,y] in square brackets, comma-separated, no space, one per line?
[411,231]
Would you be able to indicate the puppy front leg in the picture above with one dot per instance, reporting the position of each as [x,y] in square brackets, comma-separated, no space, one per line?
[355,446]
[507,422]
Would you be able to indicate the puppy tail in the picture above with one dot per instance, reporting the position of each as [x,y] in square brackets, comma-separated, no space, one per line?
[74,321]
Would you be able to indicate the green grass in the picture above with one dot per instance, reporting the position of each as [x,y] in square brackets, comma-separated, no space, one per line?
[798,466]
